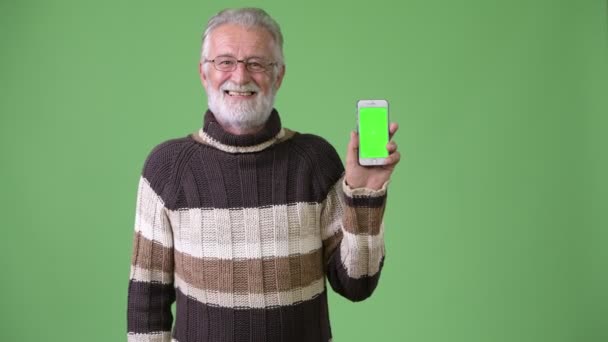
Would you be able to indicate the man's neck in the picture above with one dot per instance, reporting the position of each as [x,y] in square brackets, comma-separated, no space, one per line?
[241,130]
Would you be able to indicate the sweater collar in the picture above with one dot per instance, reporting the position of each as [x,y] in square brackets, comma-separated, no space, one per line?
[213,134]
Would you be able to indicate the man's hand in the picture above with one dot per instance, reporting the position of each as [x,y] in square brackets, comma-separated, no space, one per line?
[371,177]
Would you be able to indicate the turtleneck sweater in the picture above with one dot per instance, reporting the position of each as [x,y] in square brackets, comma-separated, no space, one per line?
[242,232]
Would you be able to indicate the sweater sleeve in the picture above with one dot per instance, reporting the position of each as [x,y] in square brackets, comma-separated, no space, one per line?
[350,220]
[151,292]
[353,239]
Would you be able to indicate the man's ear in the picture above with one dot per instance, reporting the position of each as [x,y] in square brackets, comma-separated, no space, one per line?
[201,72]
[280,77]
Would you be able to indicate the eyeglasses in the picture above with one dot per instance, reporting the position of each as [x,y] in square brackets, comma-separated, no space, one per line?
[253,64]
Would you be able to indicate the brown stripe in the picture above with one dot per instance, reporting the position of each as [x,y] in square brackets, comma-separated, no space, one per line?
[362,220]
[330,244]
[251,275]
[151,254]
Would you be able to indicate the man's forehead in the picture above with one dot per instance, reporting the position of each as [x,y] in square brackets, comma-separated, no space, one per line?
[233,39]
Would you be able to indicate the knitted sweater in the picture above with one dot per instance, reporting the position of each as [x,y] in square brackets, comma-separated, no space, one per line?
[241,232]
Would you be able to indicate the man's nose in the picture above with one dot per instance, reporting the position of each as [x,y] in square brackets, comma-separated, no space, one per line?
[241,75]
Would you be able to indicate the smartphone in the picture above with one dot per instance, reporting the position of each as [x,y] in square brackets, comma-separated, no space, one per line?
[372,125]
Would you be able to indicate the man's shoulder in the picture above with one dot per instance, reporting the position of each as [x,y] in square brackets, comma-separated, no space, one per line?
[170,145]
[163,155]
[313,143]
[319,153]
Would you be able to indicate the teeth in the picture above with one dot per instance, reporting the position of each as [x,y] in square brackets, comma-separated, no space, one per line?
[238,93]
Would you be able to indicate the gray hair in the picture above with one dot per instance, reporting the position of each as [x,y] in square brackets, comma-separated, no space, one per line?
[247,17]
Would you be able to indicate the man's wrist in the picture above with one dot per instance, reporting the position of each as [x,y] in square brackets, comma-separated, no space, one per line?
[364,190]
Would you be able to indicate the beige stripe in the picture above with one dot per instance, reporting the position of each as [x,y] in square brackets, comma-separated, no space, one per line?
[148,275]
[207,139]
[151,215]
[247,233]
[361,254]
[250,276]
[364,192]
[174,340]
[251,300]
[151,254]
[333,209]
[287,134]
[363,220]
[269,274]
[153,337]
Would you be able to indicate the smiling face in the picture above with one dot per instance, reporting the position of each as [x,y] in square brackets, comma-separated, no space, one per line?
[241,100]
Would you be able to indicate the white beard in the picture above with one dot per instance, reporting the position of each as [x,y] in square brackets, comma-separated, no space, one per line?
[243,114]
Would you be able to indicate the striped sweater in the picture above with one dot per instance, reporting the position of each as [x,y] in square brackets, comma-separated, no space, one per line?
[242,232]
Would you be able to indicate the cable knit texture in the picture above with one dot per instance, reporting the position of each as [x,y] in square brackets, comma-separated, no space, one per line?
[242,232]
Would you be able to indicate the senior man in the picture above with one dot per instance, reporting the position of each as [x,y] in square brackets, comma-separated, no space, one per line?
[242,222]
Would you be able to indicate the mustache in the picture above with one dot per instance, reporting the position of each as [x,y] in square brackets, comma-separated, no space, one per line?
[229,85]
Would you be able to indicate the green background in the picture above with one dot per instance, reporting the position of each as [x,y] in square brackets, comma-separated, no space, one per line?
[496,226]
[373,132]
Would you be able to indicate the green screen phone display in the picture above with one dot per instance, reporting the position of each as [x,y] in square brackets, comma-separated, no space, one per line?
[373,132]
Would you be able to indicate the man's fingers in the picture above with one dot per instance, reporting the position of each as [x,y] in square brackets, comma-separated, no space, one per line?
[354,139]
[392,128]
[393,159]
[391,147]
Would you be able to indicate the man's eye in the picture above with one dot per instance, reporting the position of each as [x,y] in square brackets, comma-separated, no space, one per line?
[226,62]
[255,65]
